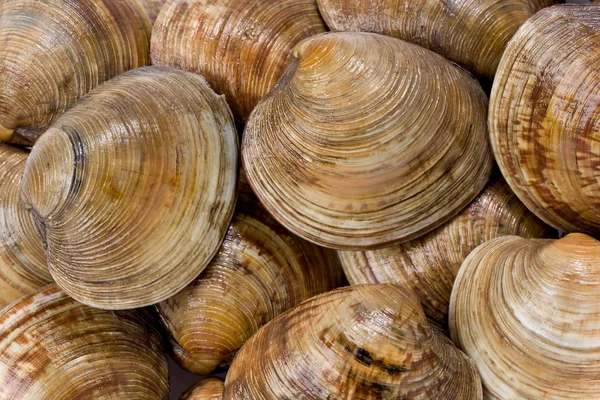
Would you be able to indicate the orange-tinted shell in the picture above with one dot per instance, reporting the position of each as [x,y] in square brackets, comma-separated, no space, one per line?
[206,389]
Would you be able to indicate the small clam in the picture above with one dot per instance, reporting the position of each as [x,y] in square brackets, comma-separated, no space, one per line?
[55,51]
[359,342]
[429,264]
[367,141]
[240,47]
[52,347]
[133,188]
[260,271]
[527,312]
[544,113]
[23,266]
[206,389]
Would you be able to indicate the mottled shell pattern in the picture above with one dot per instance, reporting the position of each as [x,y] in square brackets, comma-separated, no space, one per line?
[260,271]
[134,187]
[367,141]
[241,47]
[52,347]
[55,51]
[359,342]
[23,267]
[429,264]
[206,389]
[527,312]
[545,113]
[473,33]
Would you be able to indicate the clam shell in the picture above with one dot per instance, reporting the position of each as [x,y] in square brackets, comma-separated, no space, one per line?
[23,267]
[206,389]
[52,347]
[55,51]
[527,313]
[260,271]
[134,187]
[240,47]
[473,33]
[429,264]
[367,141]
[543,117]
[359,342]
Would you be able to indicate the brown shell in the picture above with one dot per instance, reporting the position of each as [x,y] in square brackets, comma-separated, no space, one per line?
[359,342]
[239,46]
[52,347]
[544,117]
[134,187]
[429,264]
[23,267]
[473,33]
[367,141]
[527,312]
[55,51]
[260,271]
[206,389]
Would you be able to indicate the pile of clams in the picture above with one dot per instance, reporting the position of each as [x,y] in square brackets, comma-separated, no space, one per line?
[299,199]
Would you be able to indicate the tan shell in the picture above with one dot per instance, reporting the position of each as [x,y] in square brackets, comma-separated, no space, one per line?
[52,347]
[543,117]
[240,47]
[359,342]
[23,266]
[429,264]
[55,51]
[473,33]
[527,313]
[206,389]
[367,141]
[260,271]
[134,187]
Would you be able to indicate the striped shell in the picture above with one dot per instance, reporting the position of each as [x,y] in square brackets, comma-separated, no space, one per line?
[206,389]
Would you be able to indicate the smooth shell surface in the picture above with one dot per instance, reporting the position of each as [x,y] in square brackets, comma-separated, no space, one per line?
[473,33]
[429,264]
[367,141]
[527,313]
[55,51]
[52,347]
[359,342]
[240,47]
[23,267]
[260,271]
[206,389]
[545,113]
[134,187]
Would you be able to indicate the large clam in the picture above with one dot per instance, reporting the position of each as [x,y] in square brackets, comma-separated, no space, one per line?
[206,389]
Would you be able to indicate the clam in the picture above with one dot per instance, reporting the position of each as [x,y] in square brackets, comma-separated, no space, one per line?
[206,389]
[473,33]
[240,47]
[52,347]
[544,117]
[429,264]
[133,188]
[55,51]
[358,342]
[527,312]
[260,271]
[23,266]
[367,141]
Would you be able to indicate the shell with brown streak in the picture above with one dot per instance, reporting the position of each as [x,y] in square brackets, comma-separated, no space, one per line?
[52,347]
[133,188]
[23,267]
[206,389]
[240,47]
[367,141]
[260,271]
[429,264]
[545,114]
[473,33]
[359,342]
[527,312]
[55,51]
